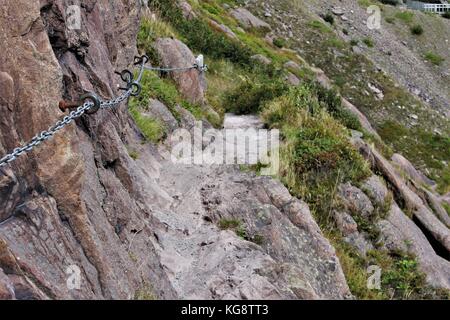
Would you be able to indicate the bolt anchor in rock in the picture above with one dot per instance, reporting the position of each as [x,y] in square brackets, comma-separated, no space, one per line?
[69,105]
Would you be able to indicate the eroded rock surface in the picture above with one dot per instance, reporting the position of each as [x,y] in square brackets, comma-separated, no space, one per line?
[175,54]
[81,203]
[248,20]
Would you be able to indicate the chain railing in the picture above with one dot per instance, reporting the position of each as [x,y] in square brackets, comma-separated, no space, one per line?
[90,104]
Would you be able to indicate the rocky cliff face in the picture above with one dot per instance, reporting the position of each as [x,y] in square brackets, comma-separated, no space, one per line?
[75,200]
[146,227]
[132,228]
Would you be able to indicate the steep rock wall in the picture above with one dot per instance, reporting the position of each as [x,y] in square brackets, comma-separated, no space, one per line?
[70,201]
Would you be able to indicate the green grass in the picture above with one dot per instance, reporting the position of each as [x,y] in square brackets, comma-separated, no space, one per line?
[417,30]
[150,29]
[368,42]
[400,277]
[421,147]
[145,293]
[405,16]
[434,58]
[316,24]
[198,35]
[279,42]
[390,20]
[316,154]
[446,207]
[252,93]
[335,42]
[367,3]
[227,224]
[151,129]
[133,153]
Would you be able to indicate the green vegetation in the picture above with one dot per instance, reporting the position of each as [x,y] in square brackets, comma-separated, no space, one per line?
[152,28]
[253,92]
[316,155]
[400,277]
[145,293]
[239,228]
[446,207]
[417,30]
[433,58]
[279,42]
[151,129]
[421,147]
[405,16]
[227,224]
[332,102]
[366,3]
[320,26]
[329,18]
[133,153]
[368,42]
[197,34]
[390,20]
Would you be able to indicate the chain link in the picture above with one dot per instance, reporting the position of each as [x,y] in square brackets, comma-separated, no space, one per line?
[50,132]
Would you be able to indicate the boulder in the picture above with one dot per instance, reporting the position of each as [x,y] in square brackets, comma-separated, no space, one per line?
[338,11]
[345,223]
[406,166]
[379,95]
[322,78]
[359,242]
[248,20]
[349,228]
[409,198]
[292,79]
[292,66]
[224,29]
[175,54]
[6,287]
[261,59]
[158,110]
[376,189]
[355,200]
[361,117]
[187,10]
[401,233]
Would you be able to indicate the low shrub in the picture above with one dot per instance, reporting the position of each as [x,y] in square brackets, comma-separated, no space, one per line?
[279,42]
[433,58]
[417,30]
[329,18]
[368,42]
[197,34]
[316,154]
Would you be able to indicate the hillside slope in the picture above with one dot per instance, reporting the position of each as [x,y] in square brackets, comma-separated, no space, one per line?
[105,197]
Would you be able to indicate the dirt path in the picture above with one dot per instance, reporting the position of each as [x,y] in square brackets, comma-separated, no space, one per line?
[263,255]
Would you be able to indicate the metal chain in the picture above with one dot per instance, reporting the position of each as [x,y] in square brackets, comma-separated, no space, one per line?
[50,132]
[170,69]
[85,107]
